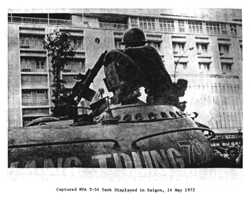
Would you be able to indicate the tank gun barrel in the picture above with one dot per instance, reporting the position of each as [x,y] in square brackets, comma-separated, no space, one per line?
[81,89]
[92,73]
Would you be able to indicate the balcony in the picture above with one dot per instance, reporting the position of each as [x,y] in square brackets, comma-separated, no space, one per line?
[34,81]
[59,22]
[33,53]
[31,31]
[116,26]
[204,54]
[32,20]
[35,112]
[73,32]
[226,55]
[31,42]
[180,54]
[35,106]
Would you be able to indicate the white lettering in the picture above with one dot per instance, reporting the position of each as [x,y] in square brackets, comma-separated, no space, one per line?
[60,162]
[102,159]
[136,160]
[48,163]
[30,164]
[14,164]
[163,153]
[117,160]
[127,160]
[72,162]
[147,159]
[157,160]
[175,158]
[186,147]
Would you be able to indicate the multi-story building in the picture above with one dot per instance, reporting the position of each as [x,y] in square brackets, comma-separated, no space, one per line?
[205,49]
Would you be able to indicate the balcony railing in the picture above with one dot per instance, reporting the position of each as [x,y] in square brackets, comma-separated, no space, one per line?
[156,26]
[60,22]
[116,26]
[32,20]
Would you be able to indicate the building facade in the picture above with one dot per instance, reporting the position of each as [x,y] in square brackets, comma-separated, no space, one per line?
[205,49]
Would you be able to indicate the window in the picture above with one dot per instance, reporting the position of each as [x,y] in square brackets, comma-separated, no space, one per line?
[40,65]
[26,65]
[181,24]
[77,65]
[34,81]
[202,48]
[134,22]
[118,44]
[67,67]
[166,25]
[180,66]
[195,26]
[32,42]
[233,29]
[226,67]
[33,65]
[216,28]
[223,28]
[213,28]
[86,23]
[69,79]
[178,47]
[224,49]
[156,45]
[77,43]
[110,25]
[147,23]
[24,42]
[34,97]
[204,66]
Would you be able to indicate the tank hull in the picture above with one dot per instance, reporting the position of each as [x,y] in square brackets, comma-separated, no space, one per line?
[158,143]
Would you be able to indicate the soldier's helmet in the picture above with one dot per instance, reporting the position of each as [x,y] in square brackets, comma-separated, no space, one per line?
[134,37]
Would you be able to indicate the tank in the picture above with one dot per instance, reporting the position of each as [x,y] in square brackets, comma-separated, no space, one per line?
[121,132]
[142,136]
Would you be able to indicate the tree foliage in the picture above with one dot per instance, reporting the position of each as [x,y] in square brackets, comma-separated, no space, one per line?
[60,50]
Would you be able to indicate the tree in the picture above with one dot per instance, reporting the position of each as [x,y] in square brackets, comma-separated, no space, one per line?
[60,50]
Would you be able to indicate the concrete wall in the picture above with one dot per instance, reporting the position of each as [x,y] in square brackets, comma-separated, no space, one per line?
[94,49]
[14,78]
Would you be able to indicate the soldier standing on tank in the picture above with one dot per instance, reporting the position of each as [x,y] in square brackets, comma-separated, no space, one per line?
[157,81]
[150,71]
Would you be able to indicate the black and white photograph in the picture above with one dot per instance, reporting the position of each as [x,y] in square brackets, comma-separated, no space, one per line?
[125,88]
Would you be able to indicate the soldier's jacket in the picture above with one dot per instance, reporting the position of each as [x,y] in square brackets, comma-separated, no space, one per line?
[150,63]
[127,70]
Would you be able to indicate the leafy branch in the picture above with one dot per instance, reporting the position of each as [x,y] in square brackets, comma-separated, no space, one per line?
[60,50]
